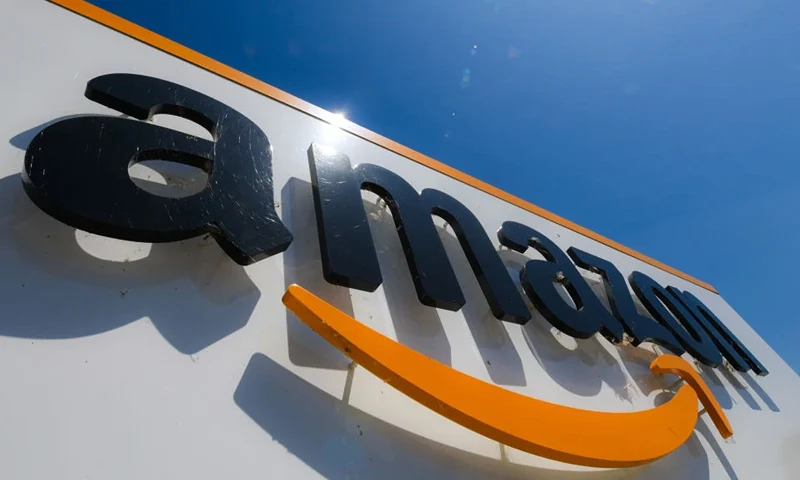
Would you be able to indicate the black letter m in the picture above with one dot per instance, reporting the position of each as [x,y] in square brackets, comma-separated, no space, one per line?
[348,251]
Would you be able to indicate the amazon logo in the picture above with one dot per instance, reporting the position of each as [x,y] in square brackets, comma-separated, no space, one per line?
[76,170]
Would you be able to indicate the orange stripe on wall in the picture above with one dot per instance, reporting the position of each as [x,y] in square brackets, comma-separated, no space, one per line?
[166,45]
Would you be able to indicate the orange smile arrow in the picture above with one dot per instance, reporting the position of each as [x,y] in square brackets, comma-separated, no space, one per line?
[558,432]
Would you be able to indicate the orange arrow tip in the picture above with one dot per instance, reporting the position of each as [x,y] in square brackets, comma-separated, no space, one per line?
[683,369]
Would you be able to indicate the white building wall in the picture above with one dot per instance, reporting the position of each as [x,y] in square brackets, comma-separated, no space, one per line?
[130,361]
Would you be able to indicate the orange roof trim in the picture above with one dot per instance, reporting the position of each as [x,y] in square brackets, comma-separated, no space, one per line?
[166,45]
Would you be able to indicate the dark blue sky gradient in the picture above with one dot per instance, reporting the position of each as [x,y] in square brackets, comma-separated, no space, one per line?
[671,126]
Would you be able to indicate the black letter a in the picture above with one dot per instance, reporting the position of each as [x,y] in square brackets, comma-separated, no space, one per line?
[77,170]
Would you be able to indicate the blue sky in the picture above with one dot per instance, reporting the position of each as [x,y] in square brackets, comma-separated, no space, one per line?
[671,126]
